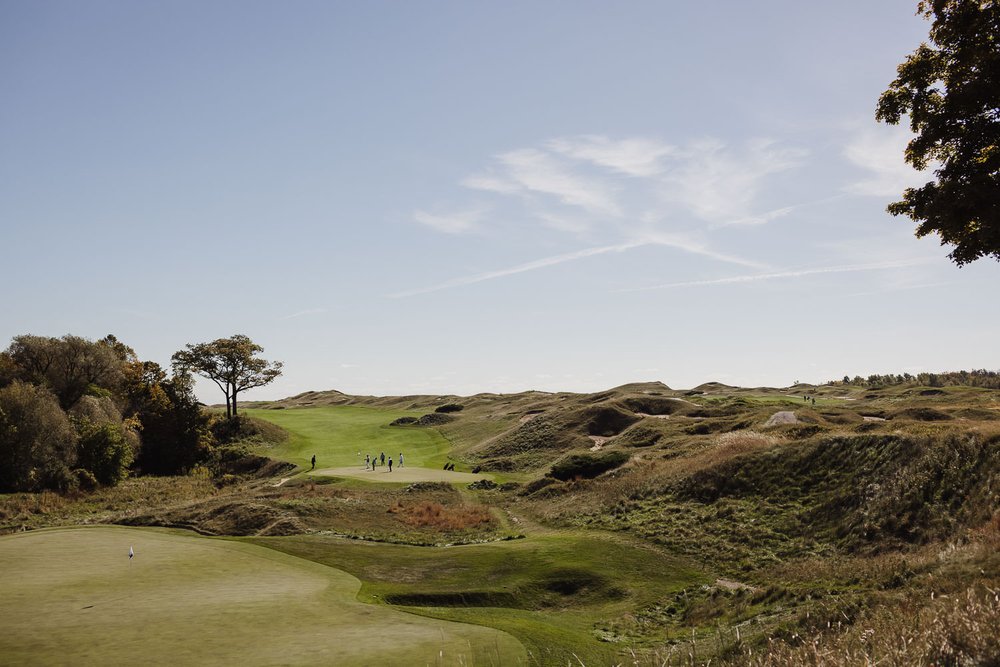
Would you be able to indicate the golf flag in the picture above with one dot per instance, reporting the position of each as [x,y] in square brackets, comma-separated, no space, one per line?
[131,554]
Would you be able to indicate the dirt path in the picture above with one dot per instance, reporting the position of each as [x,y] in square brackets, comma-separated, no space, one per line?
[598,441]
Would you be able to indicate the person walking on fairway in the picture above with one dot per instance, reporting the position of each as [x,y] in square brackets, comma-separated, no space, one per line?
[390,464]
[401,459]
[382,461]
[368,461]
[313,462]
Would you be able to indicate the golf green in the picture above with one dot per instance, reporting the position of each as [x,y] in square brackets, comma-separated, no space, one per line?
[74,596]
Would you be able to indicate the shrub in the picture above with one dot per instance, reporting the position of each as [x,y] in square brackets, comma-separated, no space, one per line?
[434,419]
[104,451]
[403,421]
[588,465]
[449,407]
[37,442]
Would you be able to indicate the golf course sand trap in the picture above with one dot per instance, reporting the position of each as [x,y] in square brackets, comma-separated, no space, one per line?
[73,596]
[407,475]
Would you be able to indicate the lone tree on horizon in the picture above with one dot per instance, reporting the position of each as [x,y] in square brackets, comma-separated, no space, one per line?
[950,89]
[231,363]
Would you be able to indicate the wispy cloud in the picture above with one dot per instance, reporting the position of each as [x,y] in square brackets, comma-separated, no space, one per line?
[618,194]
[715,182]
[303,313]
[520,268]
[529,170]
[880,153]
[694,246]
[636,156]
[768,216]
[779,275]
[451,223]
[899,288]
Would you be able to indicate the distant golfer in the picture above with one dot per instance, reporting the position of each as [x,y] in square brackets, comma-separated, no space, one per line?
[390,464]
[382,461]
[368,461]
[401,459]
[131,554]
[313,462]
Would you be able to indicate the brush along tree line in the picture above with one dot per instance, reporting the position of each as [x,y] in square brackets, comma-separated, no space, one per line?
[75,413]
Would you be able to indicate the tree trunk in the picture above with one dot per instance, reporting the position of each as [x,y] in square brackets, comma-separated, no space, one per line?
[234,402]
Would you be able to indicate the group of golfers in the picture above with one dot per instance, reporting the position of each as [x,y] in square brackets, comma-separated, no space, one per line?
[372,461]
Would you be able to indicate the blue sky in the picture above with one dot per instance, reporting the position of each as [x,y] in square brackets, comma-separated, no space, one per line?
[436,197]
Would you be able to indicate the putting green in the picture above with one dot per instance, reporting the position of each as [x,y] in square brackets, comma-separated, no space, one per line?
[73,596]
[404,474]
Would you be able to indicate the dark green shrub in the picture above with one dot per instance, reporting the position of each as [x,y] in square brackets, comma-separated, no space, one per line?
[403,421]
[104,451]
[84,480]
[434,419]
[449,407]
[37,441]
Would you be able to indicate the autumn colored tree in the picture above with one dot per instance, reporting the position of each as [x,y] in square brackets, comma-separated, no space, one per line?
[68,366]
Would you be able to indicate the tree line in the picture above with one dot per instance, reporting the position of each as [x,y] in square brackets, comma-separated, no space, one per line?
[77,413]
[974,378]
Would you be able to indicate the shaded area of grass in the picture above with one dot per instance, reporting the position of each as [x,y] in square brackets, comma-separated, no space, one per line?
[552,591]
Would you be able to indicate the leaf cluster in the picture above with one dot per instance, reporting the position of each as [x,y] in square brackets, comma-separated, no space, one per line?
[950,89]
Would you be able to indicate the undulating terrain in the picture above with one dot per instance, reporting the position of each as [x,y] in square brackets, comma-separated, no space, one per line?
[834,524]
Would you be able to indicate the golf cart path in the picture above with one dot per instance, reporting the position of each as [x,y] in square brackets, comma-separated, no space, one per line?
[404,474]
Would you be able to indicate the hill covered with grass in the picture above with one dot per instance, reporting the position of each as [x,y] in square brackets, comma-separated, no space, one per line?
[858,522]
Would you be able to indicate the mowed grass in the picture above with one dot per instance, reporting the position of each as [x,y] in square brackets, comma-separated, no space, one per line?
[72,596]
[335,434]
[553,590]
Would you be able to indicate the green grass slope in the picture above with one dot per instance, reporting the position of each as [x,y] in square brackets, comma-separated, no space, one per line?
[335,434]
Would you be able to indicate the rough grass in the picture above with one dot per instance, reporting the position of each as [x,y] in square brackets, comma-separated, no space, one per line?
[442,517]
[26,511]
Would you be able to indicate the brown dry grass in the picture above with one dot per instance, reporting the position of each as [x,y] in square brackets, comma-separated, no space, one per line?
[26,511]
[443,517]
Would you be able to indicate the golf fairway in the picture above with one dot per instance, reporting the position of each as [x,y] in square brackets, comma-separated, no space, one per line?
[73,596]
